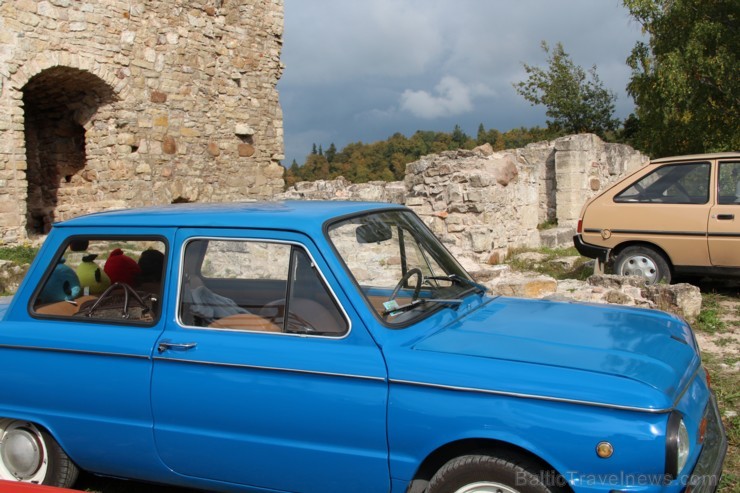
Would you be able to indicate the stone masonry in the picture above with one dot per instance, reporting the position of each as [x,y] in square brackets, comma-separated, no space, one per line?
[135,102]
[483,203]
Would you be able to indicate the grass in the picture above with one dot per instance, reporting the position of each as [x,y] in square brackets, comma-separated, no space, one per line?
[21,254]
[709,320]
[725,382]
[580,271]
[725,385]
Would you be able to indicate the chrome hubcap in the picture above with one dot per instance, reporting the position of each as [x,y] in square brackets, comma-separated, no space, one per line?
[22,452]
[486,487]
[641,266]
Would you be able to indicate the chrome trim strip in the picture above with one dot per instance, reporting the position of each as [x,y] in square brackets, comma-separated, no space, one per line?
[74,351]
[532,396]
[270,368]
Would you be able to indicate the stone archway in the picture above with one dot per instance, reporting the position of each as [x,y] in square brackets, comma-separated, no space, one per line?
[58,102]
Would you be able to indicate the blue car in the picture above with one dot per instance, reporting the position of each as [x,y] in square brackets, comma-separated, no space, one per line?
[332,347]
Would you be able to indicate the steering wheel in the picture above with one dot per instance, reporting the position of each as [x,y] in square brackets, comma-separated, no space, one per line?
[404,280]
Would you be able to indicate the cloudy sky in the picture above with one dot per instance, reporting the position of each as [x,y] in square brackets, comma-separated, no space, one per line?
[361,70]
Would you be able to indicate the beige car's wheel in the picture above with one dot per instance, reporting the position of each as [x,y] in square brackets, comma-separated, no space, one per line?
[643,262]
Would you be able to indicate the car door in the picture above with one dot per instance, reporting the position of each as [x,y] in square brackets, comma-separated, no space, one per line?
[667,207]
[287,394]
[87,379]
[724,217]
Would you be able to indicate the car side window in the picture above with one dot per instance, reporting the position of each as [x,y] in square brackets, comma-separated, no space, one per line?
[729,183]
[685,183]
[113,279]
[256,286]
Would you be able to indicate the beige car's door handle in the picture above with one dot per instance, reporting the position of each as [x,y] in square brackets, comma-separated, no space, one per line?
[725,217]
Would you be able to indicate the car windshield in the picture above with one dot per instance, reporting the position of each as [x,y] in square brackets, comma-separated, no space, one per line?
[401,267]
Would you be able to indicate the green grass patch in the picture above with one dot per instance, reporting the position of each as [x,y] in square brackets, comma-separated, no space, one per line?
[548,225]
[724,383]
[579,270]
[21,254]
[709,320]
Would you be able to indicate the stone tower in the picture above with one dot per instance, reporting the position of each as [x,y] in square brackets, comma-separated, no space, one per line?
[118,103]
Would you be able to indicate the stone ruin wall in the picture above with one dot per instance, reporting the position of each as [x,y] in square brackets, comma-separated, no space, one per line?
[135,102]
[482,203]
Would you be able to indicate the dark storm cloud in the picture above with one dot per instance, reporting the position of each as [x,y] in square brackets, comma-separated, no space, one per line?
[360,71]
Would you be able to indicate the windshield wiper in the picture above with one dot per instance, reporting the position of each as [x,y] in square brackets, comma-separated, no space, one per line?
[394,310]
[460,280]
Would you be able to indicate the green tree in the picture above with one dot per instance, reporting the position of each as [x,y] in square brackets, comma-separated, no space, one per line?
[685,78]
[331,152]
[575,102]
[481,137]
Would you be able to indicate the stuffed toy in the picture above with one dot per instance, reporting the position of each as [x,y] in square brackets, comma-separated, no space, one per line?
[151,262]
[92,278]
[121,268]
[62,285]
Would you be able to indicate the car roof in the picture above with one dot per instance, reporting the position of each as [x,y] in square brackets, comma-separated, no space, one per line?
[289,215]
[698,157]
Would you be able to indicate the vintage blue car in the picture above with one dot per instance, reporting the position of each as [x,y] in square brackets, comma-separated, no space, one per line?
[332,347]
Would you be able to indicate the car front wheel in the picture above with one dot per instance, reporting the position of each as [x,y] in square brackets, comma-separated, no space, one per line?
[488,474]
[643,262]
[29,454]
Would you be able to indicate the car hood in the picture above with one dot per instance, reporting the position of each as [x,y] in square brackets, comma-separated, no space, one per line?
[604,355]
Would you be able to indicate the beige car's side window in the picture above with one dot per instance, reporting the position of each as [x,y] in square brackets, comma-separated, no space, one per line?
[729,183]
[685,183]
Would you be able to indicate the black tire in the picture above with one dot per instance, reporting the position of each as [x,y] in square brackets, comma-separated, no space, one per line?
[30,454]
[643,262]
[484,473]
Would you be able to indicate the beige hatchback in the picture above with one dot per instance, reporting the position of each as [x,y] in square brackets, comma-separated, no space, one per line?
[678,215]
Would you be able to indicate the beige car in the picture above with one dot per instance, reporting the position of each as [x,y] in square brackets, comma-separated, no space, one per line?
[678,215]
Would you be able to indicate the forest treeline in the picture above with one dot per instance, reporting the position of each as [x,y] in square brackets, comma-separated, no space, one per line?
[386,160]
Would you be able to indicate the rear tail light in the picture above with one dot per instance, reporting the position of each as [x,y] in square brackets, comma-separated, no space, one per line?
[708,377]
[579,229]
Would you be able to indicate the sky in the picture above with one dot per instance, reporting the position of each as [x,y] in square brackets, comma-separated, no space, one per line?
[362,70]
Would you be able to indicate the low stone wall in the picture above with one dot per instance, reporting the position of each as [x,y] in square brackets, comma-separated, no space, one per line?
[482,203]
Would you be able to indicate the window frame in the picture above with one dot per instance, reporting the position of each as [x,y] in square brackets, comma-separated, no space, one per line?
[292,244]
[678,165]
[424,315]
[58,253]
[719,170]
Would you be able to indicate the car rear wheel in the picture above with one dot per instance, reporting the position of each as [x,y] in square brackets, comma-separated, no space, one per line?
[29,454]
[643,262]
[488,474]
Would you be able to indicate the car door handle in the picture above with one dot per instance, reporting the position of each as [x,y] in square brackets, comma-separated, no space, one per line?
[175,346]
[725,217]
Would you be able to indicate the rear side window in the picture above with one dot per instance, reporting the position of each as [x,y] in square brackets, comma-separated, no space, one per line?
[256,286]
[729,183]
[686,183]
[113,279]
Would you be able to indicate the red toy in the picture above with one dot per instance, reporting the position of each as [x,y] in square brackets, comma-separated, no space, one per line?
[122,268]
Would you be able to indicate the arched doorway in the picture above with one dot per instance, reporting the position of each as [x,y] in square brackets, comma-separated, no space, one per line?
[57,102]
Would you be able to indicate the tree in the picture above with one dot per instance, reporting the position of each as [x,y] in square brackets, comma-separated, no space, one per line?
[685,78]
[575,103]
[331,152]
